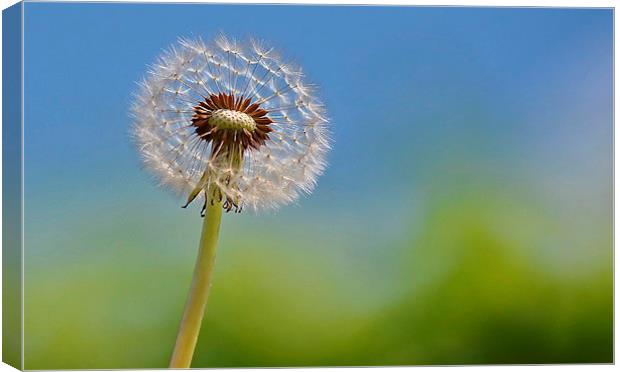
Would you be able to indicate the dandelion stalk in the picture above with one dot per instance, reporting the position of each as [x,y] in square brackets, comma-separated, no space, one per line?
[235,122]
[201,284]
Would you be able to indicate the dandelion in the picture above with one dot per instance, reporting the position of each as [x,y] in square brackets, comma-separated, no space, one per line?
[232,125]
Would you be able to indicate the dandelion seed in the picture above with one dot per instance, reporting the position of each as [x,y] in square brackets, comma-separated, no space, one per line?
[234,112]
[235,124]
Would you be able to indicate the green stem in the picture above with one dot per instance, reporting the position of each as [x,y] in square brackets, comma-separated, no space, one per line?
[199,292]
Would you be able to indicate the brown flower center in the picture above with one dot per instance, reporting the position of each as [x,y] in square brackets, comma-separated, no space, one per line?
[226,120]
[232,125]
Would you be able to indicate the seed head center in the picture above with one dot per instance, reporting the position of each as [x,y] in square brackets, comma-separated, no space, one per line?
[231,119]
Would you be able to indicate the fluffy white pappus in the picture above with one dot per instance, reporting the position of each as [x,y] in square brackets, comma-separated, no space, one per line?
[277,172]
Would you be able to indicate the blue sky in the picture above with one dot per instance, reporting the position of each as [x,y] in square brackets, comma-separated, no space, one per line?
[415,94]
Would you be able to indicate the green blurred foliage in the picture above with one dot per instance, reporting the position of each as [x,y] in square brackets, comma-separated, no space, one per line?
[468,280]
[487,300]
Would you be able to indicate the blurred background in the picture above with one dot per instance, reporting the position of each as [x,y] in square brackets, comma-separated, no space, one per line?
[465,217]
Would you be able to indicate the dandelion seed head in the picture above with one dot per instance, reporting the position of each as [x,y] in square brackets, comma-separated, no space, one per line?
[232,115]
